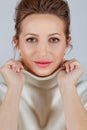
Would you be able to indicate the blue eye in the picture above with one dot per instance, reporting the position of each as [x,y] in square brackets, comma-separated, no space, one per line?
[31,39]
[54,40]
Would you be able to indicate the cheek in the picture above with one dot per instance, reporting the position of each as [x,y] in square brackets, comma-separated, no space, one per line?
[25,53]
[60,52]
[25,50]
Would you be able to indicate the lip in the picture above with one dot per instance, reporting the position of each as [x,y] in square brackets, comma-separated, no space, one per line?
[42,64]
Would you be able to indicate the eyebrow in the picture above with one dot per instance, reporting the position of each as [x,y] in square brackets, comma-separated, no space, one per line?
[31,34]
[37,35]
[55,34]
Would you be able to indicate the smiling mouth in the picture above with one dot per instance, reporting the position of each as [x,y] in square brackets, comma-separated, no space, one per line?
[42,64]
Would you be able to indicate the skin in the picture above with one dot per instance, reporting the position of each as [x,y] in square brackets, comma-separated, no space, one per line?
[47,45]
[42,49]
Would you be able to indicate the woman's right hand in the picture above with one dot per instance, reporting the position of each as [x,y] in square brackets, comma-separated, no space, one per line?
[12,73]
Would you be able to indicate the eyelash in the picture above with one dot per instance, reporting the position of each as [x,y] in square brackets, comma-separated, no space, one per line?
[54,38]
[51,40]
[31,38]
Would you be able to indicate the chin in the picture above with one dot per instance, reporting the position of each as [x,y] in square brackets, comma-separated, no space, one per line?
[43,73]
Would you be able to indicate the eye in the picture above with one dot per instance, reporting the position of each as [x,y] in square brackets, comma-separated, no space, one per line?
[31,39]
[54,40]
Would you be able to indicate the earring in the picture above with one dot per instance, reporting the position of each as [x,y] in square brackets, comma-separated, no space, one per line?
[16,53]
[19,54]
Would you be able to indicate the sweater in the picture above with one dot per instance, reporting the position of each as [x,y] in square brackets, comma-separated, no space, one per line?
[41,105]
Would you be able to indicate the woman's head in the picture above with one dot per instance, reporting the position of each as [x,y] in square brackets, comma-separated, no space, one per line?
[42,34]
[56,7]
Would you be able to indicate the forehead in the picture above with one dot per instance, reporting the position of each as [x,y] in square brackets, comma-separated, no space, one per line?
[42,22]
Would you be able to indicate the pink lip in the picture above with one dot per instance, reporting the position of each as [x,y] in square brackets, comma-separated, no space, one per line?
[42,64]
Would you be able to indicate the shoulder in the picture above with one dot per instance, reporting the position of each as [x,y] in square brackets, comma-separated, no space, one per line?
[3,89]
[82,91]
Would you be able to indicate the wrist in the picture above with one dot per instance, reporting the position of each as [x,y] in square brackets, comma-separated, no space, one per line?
[12,98]
[14,87]
[67,89]
[13,92]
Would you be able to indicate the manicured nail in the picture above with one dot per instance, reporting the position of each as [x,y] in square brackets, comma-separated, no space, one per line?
[18,70]
[67,70]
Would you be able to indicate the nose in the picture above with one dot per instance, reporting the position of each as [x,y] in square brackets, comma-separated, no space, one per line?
[42,49]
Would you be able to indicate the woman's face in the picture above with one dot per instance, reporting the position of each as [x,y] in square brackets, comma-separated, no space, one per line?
[42,43]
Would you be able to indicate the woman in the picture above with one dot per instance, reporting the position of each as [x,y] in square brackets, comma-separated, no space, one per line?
[41,90]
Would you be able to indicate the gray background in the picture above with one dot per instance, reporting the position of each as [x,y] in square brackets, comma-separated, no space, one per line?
[78,31]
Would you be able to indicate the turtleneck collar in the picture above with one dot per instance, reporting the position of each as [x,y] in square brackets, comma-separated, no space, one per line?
[41,82]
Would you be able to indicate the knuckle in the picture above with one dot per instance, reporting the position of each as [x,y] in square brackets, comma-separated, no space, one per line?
[11,60]
[73,59]
[19,63]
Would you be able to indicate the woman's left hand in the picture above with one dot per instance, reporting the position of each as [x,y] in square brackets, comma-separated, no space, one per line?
[69,73]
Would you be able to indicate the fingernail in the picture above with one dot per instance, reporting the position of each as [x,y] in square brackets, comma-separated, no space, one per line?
[18,70]
[67,70]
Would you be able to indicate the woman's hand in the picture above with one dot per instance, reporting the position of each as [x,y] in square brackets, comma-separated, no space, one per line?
[75,114]
[70,72]
[12,73]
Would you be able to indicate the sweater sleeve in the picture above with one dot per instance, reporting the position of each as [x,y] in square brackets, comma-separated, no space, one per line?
[82,92]
[3,90]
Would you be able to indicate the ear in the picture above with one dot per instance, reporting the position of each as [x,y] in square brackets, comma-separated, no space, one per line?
[15,41]
[68,46]
[68,41]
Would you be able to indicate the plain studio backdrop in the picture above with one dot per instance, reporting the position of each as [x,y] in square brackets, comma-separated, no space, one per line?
[78,31]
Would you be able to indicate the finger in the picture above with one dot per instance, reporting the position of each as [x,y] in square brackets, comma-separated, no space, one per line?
[72,67]
[67,67]
[75,65]
[14,65]
[71,64]
[17,68]
[20,65]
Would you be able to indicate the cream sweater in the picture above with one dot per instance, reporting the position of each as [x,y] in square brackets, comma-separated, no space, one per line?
[41,106]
